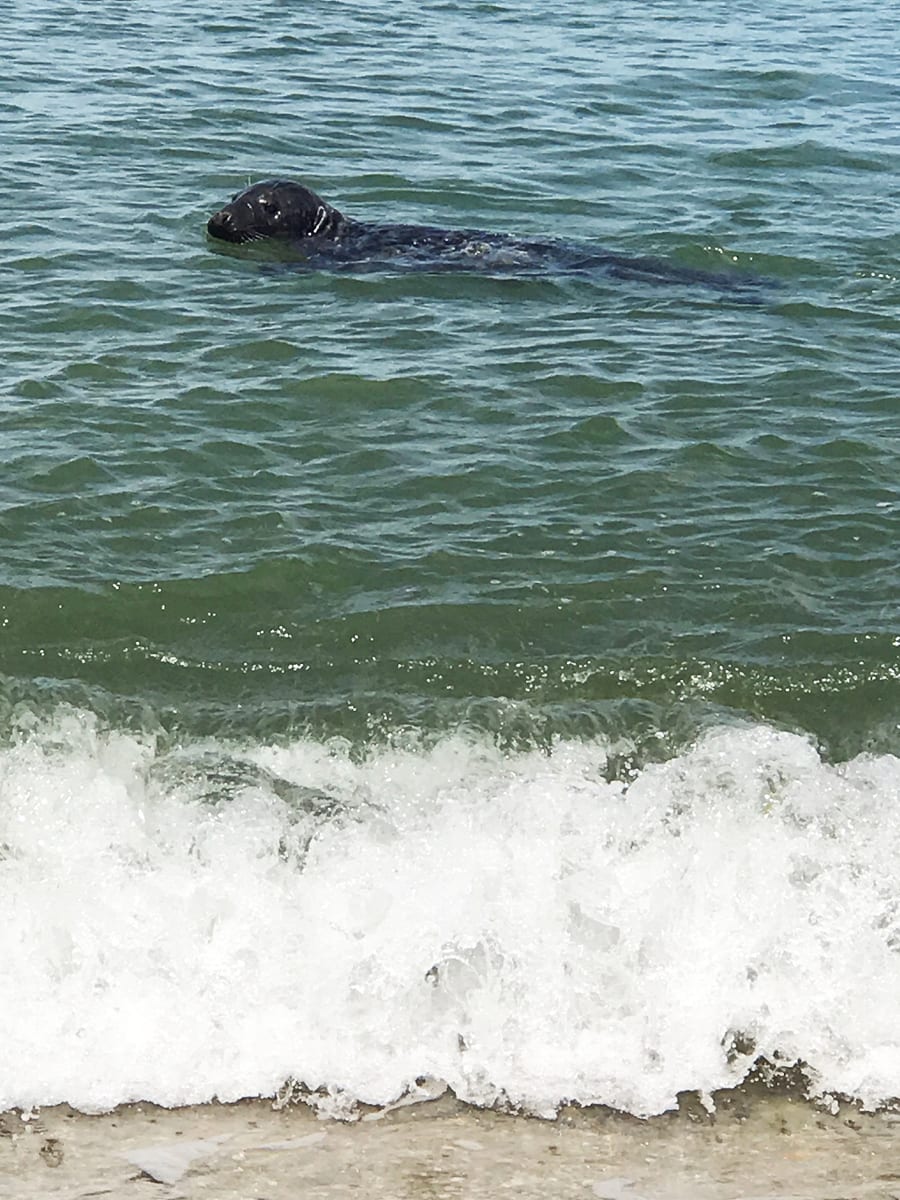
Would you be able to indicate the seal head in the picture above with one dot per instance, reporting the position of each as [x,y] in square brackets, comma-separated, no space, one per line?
[275,208]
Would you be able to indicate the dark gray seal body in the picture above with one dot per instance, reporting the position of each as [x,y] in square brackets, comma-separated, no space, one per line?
[320,236]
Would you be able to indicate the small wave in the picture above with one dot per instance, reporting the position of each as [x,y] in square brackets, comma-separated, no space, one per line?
[213,920]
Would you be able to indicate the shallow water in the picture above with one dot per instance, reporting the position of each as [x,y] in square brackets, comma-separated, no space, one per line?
[448,645]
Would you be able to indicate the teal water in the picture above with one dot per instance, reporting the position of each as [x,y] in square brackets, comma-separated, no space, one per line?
[245,505]
[226,486]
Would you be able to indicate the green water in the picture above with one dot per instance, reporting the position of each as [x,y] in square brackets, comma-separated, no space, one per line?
[239,499]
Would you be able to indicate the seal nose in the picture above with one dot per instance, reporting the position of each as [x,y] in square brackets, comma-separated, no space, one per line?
[220,224]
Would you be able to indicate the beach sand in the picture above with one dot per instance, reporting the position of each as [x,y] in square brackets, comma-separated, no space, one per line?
[754,1146]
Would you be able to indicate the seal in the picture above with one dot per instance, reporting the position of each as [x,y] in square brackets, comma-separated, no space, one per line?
[318,235]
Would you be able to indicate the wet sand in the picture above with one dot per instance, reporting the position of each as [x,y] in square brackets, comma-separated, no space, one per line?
[755,1146]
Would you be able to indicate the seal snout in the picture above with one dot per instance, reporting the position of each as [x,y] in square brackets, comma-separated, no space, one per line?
[221,225]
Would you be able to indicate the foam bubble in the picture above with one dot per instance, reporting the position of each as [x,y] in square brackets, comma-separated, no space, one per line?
[215,921]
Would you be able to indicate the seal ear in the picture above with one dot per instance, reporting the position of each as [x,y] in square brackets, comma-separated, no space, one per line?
[321,218]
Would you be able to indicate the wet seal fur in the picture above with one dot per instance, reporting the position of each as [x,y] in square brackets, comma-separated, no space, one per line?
[320,236]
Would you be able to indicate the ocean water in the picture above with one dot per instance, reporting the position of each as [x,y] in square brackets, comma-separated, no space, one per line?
[482,679]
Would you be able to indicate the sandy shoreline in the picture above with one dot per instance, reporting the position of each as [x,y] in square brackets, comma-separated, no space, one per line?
[754,1147]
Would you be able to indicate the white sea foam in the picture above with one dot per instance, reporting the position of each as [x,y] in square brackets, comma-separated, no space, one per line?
[213,922]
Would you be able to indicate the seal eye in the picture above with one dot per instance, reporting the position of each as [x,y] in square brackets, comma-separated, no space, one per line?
[269,206]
